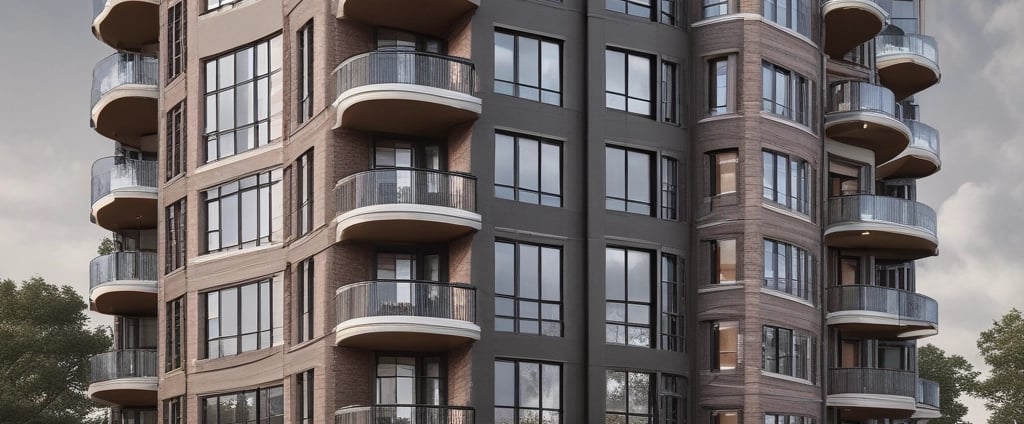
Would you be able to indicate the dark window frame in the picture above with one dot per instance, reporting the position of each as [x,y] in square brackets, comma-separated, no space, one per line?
[799,282]
[522,90]
[268,405]
[628,96]
[661,11]
[672,319]
[519,300]
[516,408]
[176,161]
[177,21]
[304,177]
[418,378]
[717,159]
[795,191]
[716,345]
[175,323]
[628,322]
[791,101]
[780,352]
[648,208]
[795,14]
[268,331]
[719,95]
[628,413]
[669,84]
[712,8]
[515,191]
[304,397]
[174,410]
[175,242]
[304,72]
[268,180]
[305,294]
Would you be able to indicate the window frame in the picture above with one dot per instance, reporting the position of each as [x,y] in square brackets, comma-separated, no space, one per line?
[515,85]
[177,45]
[628,95]
[794,100]
[628,412]
[304,182]
[518,299]
[516,407]
[712,8]
[717,352]
[653,303]
[174,410]
[502,189]
[274,323]
[719,158]
[304,397]
[788,360]
[175,242]
[305,295]
[716,261]
[774,418]
[304,72]
[269,180]
[797,193]
[799,282]
[176,161]
[721,85]
[671,304]
[175,327]
[263,397]
[652,191]
[668,78]
[797,14]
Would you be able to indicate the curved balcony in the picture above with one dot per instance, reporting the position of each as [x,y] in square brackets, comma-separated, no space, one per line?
[882,312]
[850,23]
[406,315]
[124,193]
[872,393]
[434,17]
[126,24]
[124,97]
[124,283]
[865,115]
[406,205]
[412,93]
[921,158]
[904,228]
[928,404]
[907,64]
[400,414]
[124,377]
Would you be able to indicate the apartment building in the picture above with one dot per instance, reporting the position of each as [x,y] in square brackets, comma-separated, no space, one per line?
[513,211]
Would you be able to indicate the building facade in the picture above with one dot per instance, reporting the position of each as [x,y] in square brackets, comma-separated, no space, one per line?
[513,211]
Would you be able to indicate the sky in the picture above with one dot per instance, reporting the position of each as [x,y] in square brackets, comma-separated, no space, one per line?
[48,148]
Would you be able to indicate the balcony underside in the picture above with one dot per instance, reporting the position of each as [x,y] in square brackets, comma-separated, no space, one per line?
[867,406]
[404,222]
[850,23]
[434,17]
[127,113]
[907,74]
[879,325]
[926,412]
[128,24]
[884,135]
[125,392]
[912,163]
[407,109]
[405,333]
[132,298]
[892,241]
[124,209]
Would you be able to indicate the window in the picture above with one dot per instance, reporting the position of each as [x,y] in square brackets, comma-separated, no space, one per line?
[628,397]
[265,405]
[174,247]
[786,181]
[669,188]
[410,380]
[628,297]
[177,133]
[645,9]
[719,101]
[669,93]
[628,180]
[628,82]
[243,103]
[785,93]
[905,15]
[527,169]
[786,419]
[723,261]
[792,14]
[243,318]
[528,67]
[175,334]
[724,345]
[669,12]
[672,400]
[527,392]
[176,34]
[304,308]
[217,4]
[528,288]
[174,410]
[671,304]
[724,165]
[244,213]
[725,417]
[304,72]
[788,269]
[304,193]
[304,397]
[787,352]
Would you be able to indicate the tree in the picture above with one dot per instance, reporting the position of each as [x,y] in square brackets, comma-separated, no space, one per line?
[1002,347]
[44,354]
[106,247]
[955,376]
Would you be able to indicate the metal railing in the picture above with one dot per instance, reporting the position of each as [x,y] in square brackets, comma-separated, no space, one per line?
[120,266]
[884,4]
[404,414]
[924,137]
[928,392]
[915,44]
[405,67]
[117,172]
[882,209]
[128,363]
[123,68]
[877,381]
[406,185]
[849,96]
[906,305]
[406,298]
[133,416]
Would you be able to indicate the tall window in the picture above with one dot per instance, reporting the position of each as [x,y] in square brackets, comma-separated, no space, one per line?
[723,172]
[723,261]
[410,380]
[244,213]
[527,392]
[671,304]
[724,345]
[786,419]
[243,318]
[174,410]
[787,352]
[628,397]
[788,269]
[785,93]
[304,397]
[786,181]
[174,346]
[304,193]
[528,66]
[715,7]
[628,180]
[669,188]
[665,14]
[528,288]
[304,72]
[265,405]
[304,306]
[176,44]
[669,12]
[672,400]
[669,93]
[242,111]
[628,82]
[527,169]
[792,14]
[628,297]
[174,248]
[718,85]
[175,162]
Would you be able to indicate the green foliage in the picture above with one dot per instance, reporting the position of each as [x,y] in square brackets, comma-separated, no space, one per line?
[1002,347]
[44,354]
[106,247]
[955,376]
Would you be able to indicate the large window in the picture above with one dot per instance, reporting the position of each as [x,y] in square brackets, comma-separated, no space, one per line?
[243,318]
[174,345]
[722,261]
[410,380]
[672,400]
[528,288]
[304,397]
[528,66]
[176,18]
[671,304]
[527,392]
[669,92]
[715,7]
[304,72]
[628,180]
[785,93]
[787,352]
[724,345]
[665,14]
[628,397]
[724,165]
[788,269]
[787,181]
[304,305]
[629,81]
[719,96]
[244,213]
[174,410]
[792,14]
[786,419]
[175,162]
[527,169]
[628,275]
[174,242]
[304,193]
[265,405]
[243,100]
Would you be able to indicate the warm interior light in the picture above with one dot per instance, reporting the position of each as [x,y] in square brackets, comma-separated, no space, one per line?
[866,233]
[865,125]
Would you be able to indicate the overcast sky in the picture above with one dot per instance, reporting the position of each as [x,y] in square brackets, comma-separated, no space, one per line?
[48,149]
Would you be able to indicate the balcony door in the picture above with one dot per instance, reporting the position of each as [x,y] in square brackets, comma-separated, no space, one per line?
[399,62]
[408,183]
[137,333]
[404,381]
[405,284]
[844,179]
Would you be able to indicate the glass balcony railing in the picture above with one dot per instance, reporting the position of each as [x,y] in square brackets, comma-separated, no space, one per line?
[877,381]
[121,69]
[405,414]
[404,67]
[406,186]
[122,266]
[883,210]
[928,392]
[908,44]
[128,363]
[852,96]
[900,303]
[406,298]
[924,137]
[113,173]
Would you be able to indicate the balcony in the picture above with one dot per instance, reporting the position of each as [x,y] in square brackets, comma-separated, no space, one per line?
[406,205]
[872,393]
[124,193]
[124,283]
[406,315]
[434,17]
[126,24]
[881,312]
[928,404]
[921,158]
[404,414]
[907,64]
[903,229]
[865,115]
[124,97]
[125,378]
[411,93]
[849,23]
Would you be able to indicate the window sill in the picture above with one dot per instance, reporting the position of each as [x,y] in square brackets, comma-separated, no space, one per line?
[720,117]
[783,295]
[721,18]
[780,210]
[223,255]
[220,163]
[712,288]
[785,121]
[236,360]
[788,378]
